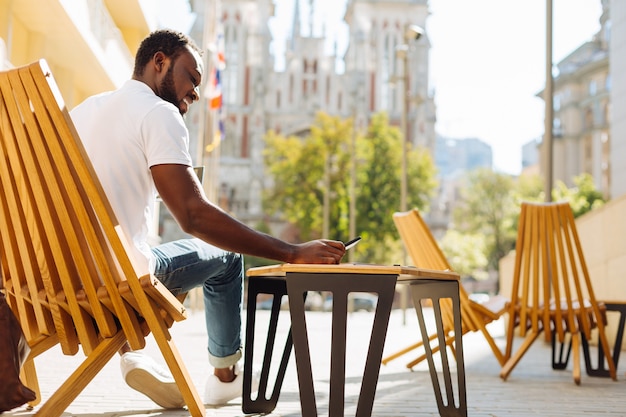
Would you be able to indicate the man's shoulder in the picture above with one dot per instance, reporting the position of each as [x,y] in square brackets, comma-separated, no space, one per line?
[141,96]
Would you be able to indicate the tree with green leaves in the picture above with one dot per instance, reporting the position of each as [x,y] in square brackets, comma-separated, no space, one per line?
[487,207]
[465,253]
[379,186]
[304,169]
[583,196]
[490,207]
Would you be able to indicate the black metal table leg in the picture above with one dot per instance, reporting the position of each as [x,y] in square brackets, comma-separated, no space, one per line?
[262,403]
[436,290]
[340,285]
[601,370]
[561,353]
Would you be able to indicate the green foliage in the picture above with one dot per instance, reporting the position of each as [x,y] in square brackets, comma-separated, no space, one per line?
[528,188]
[583,197]
[487,207]
[490,206]
[465,253]
[298,167]
[379,187]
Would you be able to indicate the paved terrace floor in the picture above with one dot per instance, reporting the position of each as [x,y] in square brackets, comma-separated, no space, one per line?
[533,389]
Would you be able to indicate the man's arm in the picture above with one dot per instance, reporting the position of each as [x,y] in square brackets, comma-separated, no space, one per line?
[183,195]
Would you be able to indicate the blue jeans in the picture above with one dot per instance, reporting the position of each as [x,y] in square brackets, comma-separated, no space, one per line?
[189,263]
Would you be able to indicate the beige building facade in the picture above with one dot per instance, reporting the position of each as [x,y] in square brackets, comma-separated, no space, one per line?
[88,44]
[582,106]
[617,114]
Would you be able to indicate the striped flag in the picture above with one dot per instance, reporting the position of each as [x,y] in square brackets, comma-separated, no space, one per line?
[214,88]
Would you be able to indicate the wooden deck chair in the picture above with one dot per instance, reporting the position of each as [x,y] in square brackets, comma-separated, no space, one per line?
[552,291]
[65,263]
[425,253]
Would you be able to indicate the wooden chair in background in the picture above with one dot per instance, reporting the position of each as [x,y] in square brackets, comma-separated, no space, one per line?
[66,268]
[425,253]
[552,291]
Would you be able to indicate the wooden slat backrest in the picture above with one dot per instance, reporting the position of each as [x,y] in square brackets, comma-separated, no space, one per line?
[61,242]
[551,290]
[550,271]
[419,241]
[64,259]
[425,252]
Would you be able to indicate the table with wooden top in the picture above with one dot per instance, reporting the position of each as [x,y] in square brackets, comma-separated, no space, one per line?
[295,280]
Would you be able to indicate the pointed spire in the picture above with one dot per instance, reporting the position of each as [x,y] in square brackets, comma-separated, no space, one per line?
[295,27]
[311,18]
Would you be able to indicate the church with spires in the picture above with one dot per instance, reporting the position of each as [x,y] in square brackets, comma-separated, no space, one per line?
[257,97]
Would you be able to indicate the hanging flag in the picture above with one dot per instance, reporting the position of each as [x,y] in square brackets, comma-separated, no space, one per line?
[215,97]
[213,91]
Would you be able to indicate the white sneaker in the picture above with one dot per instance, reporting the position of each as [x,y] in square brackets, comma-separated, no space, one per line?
[217,392]
[143,374]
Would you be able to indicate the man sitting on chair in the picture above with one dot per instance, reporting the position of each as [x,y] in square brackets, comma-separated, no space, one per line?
[138,143]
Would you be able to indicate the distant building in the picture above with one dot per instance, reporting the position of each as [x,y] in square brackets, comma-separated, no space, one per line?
[89,46]
[615,28]
[453,156]
[257,97]
[530,154]
[582,109]
[454,159]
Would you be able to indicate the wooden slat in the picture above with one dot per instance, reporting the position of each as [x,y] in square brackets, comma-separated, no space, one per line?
[557,285]
[64,256]
[37,161]
[14,131]
[84,174]
[426,253]
[70,207]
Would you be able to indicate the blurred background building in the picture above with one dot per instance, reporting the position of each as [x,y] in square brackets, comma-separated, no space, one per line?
[258,97]
[89,45]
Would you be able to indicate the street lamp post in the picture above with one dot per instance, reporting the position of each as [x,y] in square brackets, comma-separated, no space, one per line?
[411,33]
[549,109]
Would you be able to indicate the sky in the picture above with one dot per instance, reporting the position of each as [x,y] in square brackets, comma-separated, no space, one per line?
[487,61]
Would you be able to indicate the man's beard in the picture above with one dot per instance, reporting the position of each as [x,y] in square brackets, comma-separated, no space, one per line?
[168,91]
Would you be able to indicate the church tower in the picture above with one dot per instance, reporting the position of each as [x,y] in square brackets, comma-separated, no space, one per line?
[257,97]
[377,31]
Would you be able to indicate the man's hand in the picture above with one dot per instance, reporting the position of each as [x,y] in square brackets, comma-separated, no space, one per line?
[321,251]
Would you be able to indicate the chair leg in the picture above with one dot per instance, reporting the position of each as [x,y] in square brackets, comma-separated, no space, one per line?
[434,349]
[494,347]
[28,374]
[514,359]
[88,369]
[401,352]
[576,346]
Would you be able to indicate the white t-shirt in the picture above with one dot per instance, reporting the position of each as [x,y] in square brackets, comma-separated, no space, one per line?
[125,132]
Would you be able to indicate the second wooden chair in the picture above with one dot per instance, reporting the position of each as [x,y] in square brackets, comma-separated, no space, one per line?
[425,253]
[552,291]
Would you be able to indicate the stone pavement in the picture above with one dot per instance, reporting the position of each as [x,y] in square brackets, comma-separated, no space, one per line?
[533,388]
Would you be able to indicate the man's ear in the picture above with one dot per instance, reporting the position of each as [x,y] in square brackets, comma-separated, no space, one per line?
[159,61]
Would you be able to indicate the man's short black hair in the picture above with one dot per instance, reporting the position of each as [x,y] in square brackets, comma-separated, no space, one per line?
[168,41]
